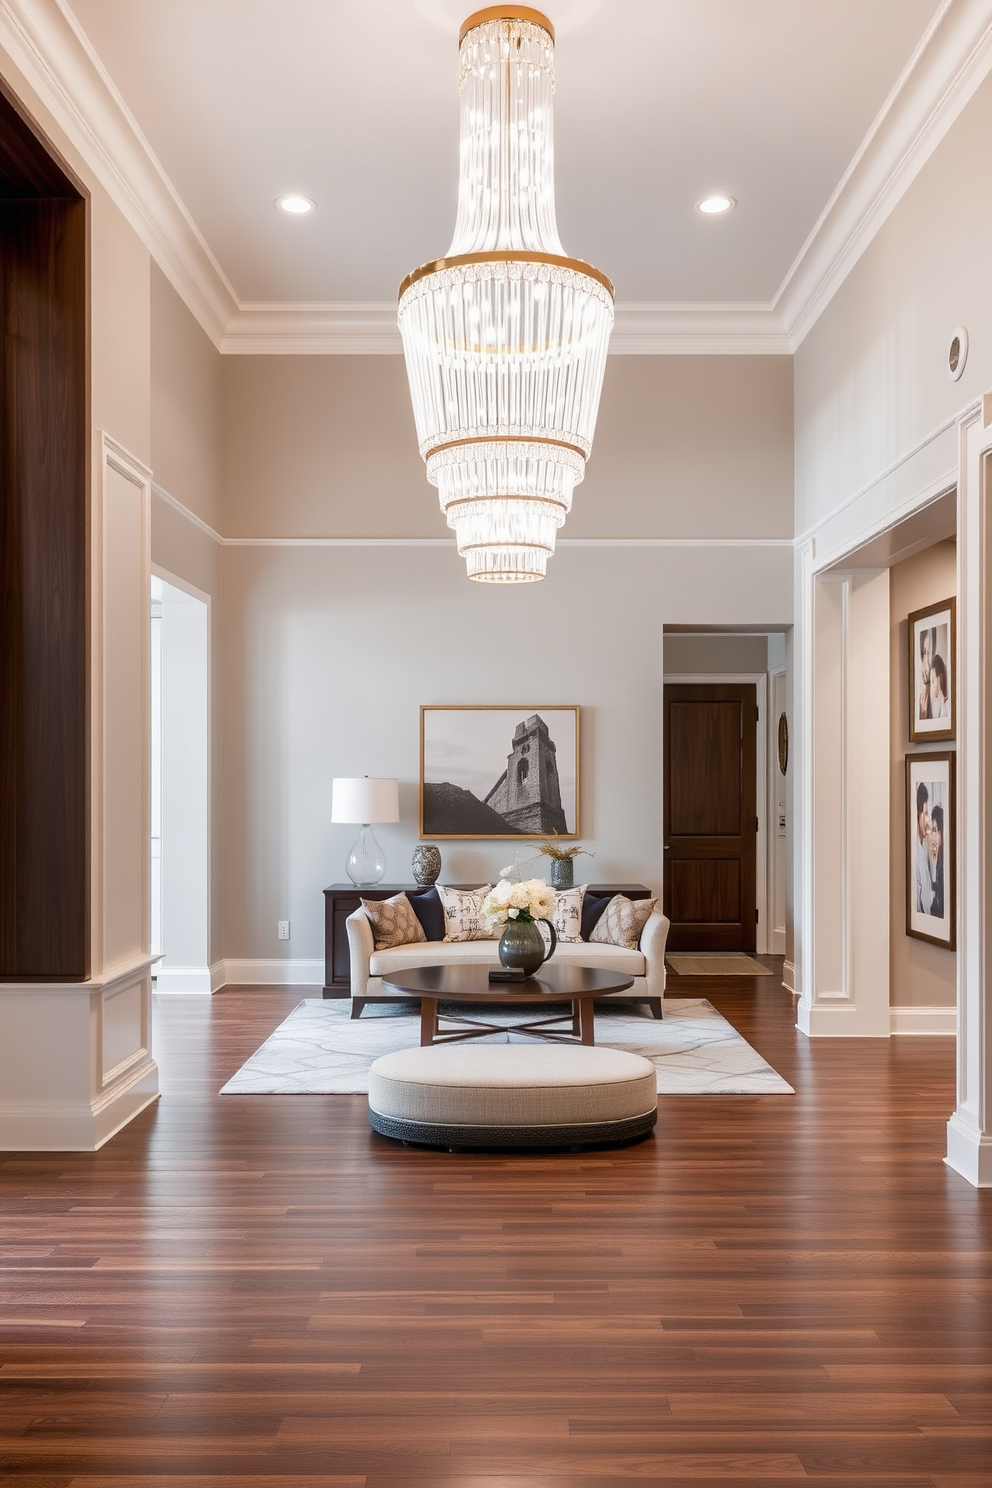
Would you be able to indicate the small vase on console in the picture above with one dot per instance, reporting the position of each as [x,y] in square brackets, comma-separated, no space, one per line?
[426,864]
[522,945]
[562,873]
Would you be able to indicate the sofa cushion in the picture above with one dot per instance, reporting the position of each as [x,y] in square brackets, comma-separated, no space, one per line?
[393,921]
[622,921]
[426,905]
[486,953]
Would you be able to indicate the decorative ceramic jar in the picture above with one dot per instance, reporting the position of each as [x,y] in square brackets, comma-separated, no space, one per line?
[522,945]
[562,873]
[426,864]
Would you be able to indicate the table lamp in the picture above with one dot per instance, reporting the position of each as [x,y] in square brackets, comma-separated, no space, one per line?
[365,799]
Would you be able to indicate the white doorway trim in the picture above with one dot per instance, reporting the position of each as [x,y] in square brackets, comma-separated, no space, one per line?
[189,969]
[761,796]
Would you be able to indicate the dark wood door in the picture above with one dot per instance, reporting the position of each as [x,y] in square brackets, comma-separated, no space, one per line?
[710,821]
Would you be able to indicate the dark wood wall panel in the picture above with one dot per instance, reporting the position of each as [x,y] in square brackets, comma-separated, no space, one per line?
[44,878]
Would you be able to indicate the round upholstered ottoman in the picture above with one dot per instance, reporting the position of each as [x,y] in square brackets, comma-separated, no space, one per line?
[512,1095]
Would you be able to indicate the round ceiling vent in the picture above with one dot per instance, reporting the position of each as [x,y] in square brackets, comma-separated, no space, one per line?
[957,354]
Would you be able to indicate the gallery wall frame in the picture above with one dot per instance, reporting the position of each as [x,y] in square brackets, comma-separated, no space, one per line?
[931,848]
[932,634]
[498,770]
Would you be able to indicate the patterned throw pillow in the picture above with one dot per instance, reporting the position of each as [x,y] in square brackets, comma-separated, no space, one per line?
[463,917]
[622,921]
[393,922]
[567,917]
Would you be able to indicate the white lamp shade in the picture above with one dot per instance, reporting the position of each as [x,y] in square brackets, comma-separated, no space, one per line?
[364,798]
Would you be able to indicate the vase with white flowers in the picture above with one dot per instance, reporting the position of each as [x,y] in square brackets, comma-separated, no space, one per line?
[518,907]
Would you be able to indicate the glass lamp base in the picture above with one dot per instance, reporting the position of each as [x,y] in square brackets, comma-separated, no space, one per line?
[366,863]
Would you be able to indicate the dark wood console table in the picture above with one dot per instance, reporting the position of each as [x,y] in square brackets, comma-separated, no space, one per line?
[341,900]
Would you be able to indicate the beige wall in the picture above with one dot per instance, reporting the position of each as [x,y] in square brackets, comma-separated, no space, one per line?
[920,975]
[185,405]
[713,654]
[685,447]
[186,453]
[329,653]
[871,377]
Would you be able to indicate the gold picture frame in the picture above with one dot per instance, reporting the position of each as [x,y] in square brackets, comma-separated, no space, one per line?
[490,771]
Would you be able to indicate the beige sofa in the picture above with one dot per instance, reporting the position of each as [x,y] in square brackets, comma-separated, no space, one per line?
[368,966]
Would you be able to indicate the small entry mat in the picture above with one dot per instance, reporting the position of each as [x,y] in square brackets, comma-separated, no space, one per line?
[724,963]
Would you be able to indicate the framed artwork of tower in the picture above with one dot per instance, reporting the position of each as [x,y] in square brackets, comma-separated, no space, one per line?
[499,771]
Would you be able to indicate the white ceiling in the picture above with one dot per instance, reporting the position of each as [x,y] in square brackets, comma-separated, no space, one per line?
[354,102]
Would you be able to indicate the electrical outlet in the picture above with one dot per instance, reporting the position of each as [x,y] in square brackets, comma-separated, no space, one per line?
[283,929]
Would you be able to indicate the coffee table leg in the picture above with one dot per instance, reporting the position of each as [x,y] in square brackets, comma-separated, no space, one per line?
[576,1017]
[587,1013]
[428,1020]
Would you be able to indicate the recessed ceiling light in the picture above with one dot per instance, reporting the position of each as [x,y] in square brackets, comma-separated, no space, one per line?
[712,206]
[296,206]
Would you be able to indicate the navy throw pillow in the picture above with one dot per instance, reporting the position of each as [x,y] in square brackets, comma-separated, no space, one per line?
[426,905]
[592,907]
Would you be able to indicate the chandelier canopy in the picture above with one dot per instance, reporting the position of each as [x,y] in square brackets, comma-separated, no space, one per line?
[506,337]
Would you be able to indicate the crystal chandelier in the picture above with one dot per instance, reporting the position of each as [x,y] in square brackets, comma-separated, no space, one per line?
[505,337]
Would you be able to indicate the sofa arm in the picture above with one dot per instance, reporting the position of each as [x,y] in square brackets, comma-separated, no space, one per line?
[361,944]
[653,939]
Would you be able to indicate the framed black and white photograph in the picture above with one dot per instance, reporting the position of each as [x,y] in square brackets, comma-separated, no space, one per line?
[932,681]
[499,771]
[930,848]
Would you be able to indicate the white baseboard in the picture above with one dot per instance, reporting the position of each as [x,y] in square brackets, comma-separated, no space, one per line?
[839,1017]
[789,977]
[256,973]
[969,1152]
[184,978]
[930,1020]
[77,1125]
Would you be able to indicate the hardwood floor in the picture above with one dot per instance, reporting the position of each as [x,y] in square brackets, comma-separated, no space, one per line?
[256,1290]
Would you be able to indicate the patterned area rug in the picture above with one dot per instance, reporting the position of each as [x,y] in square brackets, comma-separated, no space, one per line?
[319,1050]
[725,963]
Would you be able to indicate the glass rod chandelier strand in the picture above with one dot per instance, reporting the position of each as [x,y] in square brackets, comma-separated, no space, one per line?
[506,337]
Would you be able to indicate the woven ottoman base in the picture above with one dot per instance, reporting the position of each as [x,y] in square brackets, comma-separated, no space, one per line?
[512,1096]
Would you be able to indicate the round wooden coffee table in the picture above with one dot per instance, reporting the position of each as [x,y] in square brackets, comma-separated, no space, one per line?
[579,985]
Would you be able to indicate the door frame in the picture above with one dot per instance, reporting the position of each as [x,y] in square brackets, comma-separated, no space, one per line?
[761,794]
[205,978]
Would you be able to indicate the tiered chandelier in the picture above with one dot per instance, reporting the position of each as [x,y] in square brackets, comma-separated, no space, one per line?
[505,337]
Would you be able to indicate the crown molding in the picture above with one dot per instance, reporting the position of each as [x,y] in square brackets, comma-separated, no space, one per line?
[643,328]
[345,328]
[46,43]
[953,58]
[369,329]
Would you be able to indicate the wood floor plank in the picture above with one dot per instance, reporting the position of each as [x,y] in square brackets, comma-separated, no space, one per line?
[258,1291]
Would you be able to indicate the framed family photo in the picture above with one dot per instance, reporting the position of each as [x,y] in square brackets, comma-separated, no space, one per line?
[932,679]
[930,848]
[499,771]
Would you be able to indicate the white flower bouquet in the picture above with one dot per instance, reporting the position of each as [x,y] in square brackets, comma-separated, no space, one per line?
[528,901]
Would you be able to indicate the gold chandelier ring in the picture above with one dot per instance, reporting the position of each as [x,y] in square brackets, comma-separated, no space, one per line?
[506,13]
[438,449]
[507,255]
[559,506]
